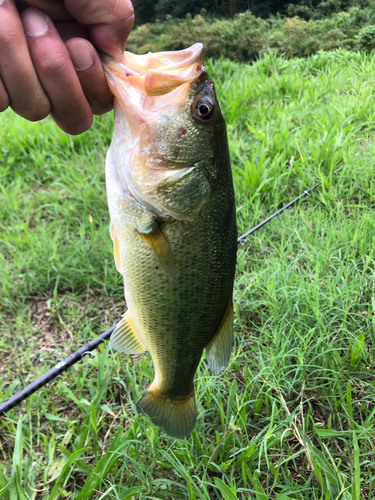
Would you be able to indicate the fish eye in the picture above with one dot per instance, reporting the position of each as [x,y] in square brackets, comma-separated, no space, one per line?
[204,109]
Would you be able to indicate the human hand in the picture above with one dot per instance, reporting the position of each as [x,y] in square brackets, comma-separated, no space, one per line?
[48,63]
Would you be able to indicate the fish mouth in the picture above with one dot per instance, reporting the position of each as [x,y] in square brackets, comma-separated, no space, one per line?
[150,91]
[164,61]
[158,73]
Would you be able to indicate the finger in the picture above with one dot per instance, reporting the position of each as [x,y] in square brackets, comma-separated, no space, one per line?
[110,22]
[55,70]
[55,10]
[91,75]
[4,98]
[25,93]
[72,29]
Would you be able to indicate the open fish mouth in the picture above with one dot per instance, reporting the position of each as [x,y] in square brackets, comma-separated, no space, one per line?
[161,72]
[157,140]
[153,84]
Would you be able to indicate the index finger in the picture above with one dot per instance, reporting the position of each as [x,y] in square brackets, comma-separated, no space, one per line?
[109,21]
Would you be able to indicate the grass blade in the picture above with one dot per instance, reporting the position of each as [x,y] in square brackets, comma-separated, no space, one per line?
[356,489]
[227,492]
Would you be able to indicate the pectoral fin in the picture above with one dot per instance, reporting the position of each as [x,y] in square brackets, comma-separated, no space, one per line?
[125,338]
[116,248]
[219,348]
[154,237]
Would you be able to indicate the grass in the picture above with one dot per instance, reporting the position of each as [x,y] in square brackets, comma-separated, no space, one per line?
[293,415]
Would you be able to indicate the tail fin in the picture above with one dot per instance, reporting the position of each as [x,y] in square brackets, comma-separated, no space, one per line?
[175,416]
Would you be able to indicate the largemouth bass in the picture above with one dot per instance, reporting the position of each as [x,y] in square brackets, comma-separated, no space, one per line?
[173,225]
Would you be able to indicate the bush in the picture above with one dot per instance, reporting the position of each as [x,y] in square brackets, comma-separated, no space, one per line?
[246,37]
[295,38]
[242,38]
[365,40]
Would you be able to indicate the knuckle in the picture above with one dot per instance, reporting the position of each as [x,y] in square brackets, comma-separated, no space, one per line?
[35,114]
[127,12]
[4,104]
[121,12]
[77,129]
[54,65]
[101,109]
[9,39]
[72,127]
[33,107]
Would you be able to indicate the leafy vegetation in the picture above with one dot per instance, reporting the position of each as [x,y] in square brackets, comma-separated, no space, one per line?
[246,37]
[150,10]
[293,415]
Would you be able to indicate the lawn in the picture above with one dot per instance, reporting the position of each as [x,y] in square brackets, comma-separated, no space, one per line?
[292,417]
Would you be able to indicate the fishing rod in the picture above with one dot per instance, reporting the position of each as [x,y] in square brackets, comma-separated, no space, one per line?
[54,372]
[265,221]
[62,366]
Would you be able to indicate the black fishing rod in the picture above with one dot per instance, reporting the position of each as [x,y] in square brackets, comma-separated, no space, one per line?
[93,344]
[263,223]
[54,372]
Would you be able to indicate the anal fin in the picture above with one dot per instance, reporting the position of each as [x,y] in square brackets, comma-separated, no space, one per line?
[125,338]
[154,238]
[219,348]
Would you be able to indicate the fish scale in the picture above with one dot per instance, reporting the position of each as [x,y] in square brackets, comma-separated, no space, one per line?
[175,236]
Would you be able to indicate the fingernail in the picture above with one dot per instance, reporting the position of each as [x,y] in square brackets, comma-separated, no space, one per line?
[81,56]
[34,23]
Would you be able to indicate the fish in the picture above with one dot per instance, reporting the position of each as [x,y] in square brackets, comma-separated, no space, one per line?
[173,225]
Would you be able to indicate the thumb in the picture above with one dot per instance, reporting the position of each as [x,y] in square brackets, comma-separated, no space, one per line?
[109,22]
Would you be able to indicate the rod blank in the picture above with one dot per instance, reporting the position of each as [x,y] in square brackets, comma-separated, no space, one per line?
[265,221]
[53,372]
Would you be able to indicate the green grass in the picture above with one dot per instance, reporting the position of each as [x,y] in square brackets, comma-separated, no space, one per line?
[293,415]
